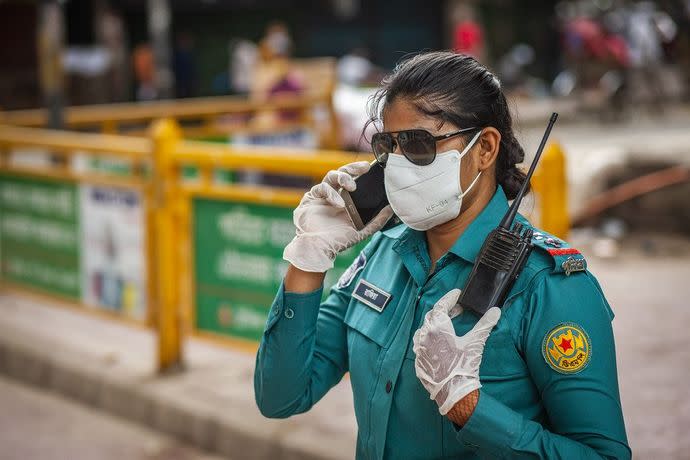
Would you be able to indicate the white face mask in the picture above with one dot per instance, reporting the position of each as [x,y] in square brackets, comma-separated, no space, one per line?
[426,196]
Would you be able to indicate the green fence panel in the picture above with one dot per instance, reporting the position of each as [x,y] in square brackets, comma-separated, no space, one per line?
[238,262]
[39,234]
[84,242]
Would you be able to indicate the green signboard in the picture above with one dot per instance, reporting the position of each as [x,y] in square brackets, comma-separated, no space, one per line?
[81,242]
[39,234]
[239,266]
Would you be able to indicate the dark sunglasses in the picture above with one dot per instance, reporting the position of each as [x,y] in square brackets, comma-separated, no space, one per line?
[418,145]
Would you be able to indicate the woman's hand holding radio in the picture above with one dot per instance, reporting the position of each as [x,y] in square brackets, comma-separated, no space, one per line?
[324,228]
[448,365]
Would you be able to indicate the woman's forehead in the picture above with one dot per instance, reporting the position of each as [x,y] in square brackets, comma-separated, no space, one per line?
[402,114]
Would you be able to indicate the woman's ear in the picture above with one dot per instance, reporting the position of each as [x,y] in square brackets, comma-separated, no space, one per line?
[488,145]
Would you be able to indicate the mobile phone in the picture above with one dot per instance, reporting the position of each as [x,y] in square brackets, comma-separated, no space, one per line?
[368,199]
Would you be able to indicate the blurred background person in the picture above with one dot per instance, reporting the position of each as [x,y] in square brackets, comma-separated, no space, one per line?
[276,42]
[596,57]
[243,60]
[144,73]
[648,30]
[274,75]
[468,36]
[356,68]
[113,37]
[50,57]
[184,66]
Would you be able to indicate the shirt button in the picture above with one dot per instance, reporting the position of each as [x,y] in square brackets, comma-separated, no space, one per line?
[389,386]
[289,313]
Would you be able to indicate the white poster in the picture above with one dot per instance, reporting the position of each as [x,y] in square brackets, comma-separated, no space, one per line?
[113,258]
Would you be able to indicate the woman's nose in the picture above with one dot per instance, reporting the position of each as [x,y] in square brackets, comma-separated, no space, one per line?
[396,148]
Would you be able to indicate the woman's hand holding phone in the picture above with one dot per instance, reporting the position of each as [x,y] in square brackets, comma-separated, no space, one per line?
[323,227]
[369,198]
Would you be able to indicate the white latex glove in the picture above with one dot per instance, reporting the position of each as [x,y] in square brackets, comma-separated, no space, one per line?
[448,365]
[323,227]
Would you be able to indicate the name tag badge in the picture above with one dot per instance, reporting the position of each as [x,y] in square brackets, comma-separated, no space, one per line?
[371,296]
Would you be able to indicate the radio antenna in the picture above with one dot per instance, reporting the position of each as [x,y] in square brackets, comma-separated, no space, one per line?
[508,219]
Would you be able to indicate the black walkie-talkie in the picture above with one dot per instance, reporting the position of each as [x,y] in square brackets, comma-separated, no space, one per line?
[503,254]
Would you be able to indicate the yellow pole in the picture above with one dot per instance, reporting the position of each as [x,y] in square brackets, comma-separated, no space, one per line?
[166,133]
[550,182]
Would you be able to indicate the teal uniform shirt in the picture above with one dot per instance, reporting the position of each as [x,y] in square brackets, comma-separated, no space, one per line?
[548,373]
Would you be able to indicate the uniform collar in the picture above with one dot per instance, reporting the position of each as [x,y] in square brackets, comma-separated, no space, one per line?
[396,231]
[470,242]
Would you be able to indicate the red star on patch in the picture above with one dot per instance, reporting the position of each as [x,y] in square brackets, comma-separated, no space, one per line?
[566,345]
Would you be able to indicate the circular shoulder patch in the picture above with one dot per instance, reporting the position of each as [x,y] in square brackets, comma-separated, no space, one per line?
[567,348]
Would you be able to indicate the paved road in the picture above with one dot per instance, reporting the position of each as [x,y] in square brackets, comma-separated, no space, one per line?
[648,287]
[36,425]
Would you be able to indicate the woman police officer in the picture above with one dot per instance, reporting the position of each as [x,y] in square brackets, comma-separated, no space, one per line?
[536,379]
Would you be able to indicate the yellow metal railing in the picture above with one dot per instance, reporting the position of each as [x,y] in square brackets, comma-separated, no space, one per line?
[207,158]
[58,151]
[199,117]
[154,166]
[154,169]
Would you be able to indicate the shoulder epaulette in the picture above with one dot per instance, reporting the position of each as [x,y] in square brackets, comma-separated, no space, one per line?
[566,259]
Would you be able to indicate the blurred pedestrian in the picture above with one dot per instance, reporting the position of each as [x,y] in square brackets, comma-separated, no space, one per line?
[184,66]
[275,78]
[276,43]
[244,56]
[144,72]
[468,36]
[274,75]
[597,58]
[356,69]
[113,37]
[648,29]
[50,43]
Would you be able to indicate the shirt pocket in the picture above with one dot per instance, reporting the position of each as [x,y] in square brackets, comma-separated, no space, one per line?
[364,321]
[501,359]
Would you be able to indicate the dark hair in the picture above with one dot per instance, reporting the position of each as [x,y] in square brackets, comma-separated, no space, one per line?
[456,88]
